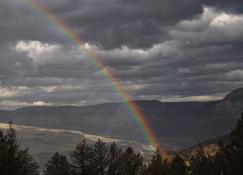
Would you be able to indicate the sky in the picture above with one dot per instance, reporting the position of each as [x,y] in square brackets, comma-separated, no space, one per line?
[180,50]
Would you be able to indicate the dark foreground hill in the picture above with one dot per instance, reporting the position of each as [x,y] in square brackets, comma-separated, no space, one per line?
[177,124]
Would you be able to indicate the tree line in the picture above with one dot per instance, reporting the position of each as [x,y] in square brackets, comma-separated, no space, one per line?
[101,159]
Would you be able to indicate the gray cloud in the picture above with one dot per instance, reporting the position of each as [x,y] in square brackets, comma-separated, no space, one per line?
[166,50]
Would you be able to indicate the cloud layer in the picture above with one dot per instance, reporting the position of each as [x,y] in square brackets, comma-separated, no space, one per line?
[165,50]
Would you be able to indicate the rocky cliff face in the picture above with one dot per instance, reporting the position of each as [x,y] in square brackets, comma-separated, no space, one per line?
[232,104]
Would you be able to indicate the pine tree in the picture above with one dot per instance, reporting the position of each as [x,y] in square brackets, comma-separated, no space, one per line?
[115,160]
[156,166]
[178,166]
[13,159]
[132,163]
[82,159]
[100,161]
[58,165]
[203,164]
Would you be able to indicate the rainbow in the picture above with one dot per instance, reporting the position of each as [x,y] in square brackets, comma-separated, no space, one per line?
[132,107]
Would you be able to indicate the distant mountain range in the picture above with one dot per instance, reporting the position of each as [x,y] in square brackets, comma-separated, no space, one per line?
[178,125]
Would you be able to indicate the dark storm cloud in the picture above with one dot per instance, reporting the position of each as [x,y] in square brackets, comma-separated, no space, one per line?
[109,24]
[229,5]
[158,49]
[134,23]
[114,23]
